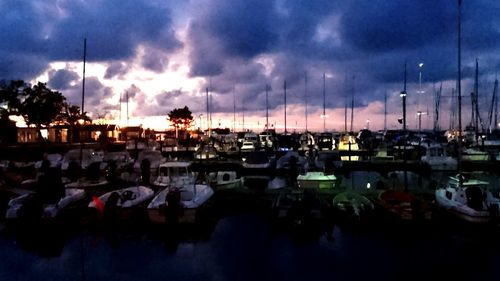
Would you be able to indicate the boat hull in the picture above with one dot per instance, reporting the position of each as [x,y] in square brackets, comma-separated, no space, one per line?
[463,212]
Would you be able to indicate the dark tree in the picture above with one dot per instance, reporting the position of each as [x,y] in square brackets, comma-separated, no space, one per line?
[181,118]
[72,116]
[41,105]
[11,94]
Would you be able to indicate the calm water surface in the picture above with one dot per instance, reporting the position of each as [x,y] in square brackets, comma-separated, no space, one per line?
[246,247]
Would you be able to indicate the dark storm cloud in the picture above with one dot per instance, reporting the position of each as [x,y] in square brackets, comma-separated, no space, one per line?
[54,30]
[15,66]
[382,26]
[62,79]
[243,45]
[246,28]
[481,27]
[385,34]
[154,60]
[114,28]
[206,58]
[369,39]
[116,68]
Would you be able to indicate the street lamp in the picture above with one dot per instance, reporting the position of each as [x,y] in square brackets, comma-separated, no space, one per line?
[419,92]
[403,96]
[420,65]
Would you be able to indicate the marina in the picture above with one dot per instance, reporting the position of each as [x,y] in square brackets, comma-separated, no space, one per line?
[249,140]
[186,214]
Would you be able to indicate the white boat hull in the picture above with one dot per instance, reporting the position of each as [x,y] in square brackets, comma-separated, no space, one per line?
[192,197]
[462,211]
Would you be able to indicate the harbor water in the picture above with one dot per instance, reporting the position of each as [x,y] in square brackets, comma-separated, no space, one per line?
[248,247]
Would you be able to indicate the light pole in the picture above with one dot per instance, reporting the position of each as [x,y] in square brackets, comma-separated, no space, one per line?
[420,92]
[403,96]
[420,65]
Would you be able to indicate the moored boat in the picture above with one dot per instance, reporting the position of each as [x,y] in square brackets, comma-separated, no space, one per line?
[468,199]
[30,205]
[179,205]
[121,203]
[177,173]
[317,180]
[224,180]
[403,205]
[352,205]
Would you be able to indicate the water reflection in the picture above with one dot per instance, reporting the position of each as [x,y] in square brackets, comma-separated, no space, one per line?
[246,246]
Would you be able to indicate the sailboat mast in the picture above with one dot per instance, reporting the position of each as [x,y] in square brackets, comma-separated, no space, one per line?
[127,106]
[437,107]
[210,102]
[243,117]
[345,104]
[284,88]
[83,79]
[324,102]
[496,102]
[459,86]
[403,96]
[305,95]
[476,100]
[493,108]
[267,108]
[208,110]
[234,110]
[352,102]
[385,111]
[120,117]
[453,111]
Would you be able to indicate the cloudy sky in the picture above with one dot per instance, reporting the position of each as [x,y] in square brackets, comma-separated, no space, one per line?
[166,54]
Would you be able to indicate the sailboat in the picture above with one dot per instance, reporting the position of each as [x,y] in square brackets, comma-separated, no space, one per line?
[464,197]
[347,142]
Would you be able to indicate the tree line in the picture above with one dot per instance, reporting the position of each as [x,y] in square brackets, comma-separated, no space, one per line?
[40,106]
